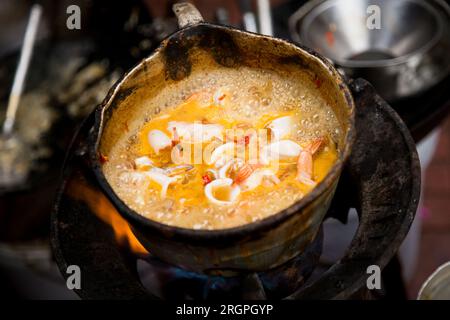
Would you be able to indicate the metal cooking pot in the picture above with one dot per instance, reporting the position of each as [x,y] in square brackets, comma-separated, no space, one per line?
[405,56]
[199,47]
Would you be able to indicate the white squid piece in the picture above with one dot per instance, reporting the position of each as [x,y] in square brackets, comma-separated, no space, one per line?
[143,162]
[158,175]
[282,127]
[195,132]
[280,150]
[221,154]
[222,192]
[158,140]
[223,171]
[257,178]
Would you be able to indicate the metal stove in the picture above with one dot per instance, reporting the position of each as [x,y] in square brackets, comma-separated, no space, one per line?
[381,180]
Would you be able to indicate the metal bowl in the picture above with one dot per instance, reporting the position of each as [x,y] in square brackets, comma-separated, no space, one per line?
[437,286]
[408,54]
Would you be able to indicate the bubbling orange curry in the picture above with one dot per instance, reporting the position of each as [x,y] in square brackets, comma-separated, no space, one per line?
[228,154]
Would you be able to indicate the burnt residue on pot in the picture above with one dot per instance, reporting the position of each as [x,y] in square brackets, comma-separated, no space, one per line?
[176,59]
[217,42]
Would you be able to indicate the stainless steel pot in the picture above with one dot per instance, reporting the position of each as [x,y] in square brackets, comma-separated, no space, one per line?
[408,54]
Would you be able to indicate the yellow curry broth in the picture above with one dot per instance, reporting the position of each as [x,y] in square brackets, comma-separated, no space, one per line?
[253,99]
[192,192]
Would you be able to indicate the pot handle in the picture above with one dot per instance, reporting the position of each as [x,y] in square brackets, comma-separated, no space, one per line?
[187,14]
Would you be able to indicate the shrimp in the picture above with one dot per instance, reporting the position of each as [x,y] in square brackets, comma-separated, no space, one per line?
[245,171]
[220,97]
[305,162]
[176,137]
[204,97]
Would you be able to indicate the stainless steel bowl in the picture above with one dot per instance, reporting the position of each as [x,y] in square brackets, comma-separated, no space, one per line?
[408,54]
[437,286]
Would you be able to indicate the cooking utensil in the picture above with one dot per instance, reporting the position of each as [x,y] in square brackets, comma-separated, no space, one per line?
[248,17]
[22,68]
[14,160]
[265,18]
[199,47]
[408,54]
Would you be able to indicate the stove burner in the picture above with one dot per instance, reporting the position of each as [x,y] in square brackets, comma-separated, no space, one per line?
[170,282]
[381,180]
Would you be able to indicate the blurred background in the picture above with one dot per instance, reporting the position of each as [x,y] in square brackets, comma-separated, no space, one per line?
[71,71]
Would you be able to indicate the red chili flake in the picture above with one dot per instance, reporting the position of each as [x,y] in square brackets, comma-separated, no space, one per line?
[176,138]
[221,97]
[206,179]
[329,36]
[103,158]
[318,82]
[247,140]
